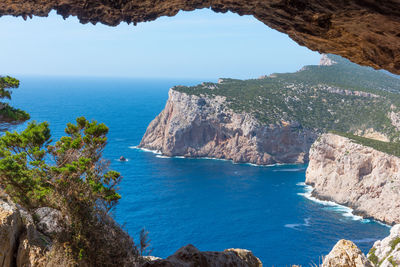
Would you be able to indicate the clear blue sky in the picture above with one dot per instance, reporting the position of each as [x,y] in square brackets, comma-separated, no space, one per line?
[198,44]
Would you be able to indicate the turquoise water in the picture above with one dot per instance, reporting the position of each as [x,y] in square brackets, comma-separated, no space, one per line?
[211,204]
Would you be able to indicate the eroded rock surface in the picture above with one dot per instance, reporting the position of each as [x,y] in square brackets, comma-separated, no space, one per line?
[357,176]
[26,241]
[395,119]
[366,32]
[189,256]
[21,243]
[386,252]
[195,126]
[346,254]
[10,229]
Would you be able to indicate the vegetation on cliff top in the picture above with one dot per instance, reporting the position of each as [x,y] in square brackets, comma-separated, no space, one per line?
[343,97]
[391,148]
[9,114]
[72,177]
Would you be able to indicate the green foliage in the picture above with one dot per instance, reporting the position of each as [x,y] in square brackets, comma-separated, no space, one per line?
[392,148]
[394,242]
[8,113]
[5,84]
[372,257]
[22,167]
[343,97]
[70,176]
[390,259]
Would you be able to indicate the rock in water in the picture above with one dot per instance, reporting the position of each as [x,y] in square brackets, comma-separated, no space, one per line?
[346,254]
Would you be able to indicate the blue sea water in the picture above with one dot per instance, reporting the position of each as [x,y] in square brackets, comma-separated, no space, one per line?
[212,204]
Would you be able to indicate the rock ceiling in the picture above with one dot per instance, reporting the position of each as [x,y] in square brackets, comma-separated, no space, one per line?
[364,31]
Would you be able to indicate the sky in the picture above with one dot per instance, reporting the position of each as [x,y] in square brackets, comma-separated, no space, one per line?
[197,44]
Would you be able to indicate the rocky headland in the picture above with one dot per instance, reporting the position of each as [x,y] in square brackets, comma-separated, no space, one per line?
[288,118]
[356,175]
[280,117]
[196,126]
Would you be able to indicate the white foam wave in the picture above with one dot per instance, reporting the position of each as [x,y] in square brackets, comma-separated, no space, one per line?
[346,211]
[297,226]
[255,165]
[157,152]
[162,157]
[290,170]
[146,150]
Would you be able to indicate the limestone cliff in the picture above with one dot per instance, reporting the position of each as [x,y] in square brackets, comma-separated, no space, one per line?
[357,176]
[202,126]
[346,254]
[386,252]
[280,116]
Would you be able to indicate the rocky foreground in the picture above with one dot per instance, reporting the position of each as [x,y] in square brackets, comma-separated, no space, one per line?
[25,240]
[195,126]
[357,176]
[384,253]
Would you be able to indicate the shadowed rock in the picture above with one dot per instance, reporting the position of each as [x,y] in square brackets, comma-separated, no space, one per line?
[188,256]
[366,32]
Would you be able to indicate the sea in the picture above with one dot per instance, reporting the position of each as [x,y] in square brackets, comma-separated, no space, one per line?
[211,204]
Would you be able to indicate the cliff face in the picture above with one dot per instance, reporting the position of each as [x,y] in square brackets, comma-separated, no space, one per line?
[345,254]
[21,244]
[386,252]
[357,176]
[196,126]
